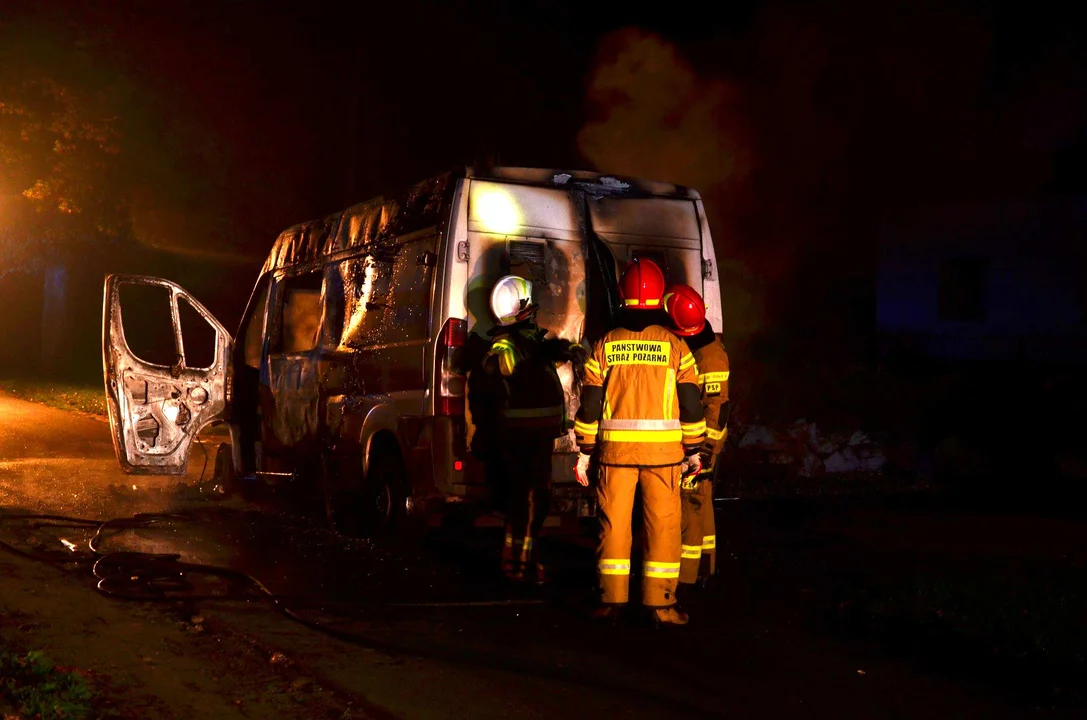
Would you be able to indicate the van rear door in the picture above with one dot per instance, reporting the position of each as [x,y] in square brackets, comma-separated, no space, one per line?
[532,232]
[665,230]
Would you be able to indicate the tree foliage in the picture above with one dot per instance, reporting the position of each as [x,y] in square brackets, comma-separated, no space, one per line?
[104,155]
[62,135]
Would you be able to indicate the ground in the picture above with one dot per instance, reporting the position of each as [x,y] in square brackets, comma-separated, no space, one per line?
[842,607]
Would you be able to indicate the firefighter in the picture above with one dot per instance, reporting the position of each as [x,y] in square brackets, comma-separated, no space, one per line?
[531,415]
[640,403]
[687,310]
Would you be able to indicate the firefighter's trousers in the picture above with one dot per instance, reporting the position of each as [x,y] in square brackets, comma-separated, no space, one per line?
[526,462]
[661,512]
[699,549]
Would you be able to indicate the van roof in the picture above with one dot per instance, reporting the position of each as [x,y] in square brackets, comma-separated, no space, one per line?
[420,206]
[560,178]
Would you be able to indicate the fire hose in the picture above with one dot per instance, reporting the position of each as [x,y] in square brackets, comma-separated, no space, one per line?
[163,577]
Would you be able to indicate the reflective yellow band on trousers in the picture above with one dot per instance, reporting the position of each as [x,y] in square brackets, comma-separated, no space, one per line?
[614,566]
[709,542]
[660,570]
[692,552]
[714,434]
[526,543]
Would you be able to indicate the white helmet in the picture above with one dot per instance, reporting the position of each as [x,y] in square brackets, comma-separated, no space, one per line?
[511,300]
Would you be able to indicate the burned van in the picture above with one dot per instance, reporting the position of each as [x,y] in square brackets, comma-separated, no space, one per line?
[343,371]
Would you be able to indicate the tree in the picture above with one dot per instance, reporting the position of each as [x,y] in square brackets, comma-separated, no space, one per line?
[102,168]
[61,139]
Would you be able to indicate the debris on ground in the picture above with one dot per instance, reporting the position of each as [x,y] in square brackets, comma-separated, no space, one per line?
[808,453]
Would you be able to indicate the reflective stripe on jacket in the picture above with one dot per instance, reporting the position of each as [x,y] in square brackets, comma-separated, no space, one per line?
[713,378]
[643,420]
[534,395]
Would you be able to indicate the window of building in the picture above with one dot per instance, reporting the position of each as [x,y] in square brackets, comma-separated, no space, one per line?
[964,286]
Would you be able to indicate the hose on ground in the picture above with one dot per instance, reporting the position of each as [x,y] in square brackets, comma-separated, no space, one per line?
[143,576]
[154,577]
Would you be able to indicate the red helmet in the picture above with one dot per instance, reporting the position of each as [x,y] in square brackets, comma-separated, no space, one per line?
[642,285]
[686,308]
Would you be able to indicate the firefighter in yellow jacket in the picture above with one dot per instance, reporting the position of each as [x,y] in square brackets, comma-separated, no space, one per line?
[531,413]
[687,310]
[640,403]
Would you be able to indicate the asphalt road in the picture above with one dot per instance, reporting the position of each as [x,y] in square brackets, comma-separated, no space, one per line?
[758,645]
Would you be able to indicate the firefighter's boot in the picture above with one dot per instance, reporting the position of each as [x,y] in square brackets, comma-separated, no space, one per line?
[687,593]
[609,614]
[668,616]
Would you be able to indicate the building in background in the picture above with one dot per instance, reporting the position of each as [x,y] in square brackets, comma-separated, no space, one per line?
[990,283]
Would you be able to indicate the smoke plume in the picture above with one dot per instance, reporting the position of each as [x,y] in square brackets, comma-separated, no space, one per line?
[653,116]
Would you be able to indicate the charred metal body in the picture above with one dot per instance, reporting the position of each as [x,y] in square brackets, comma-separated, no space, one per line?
[344,366]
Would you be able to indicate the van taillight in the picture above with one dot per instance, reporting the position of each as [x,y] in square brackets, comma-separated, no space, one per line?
[449,399]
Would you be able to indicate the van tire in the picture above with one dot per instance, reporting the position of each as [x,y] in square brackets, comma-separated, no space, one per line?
[384,490]
[224,475]
[375,508]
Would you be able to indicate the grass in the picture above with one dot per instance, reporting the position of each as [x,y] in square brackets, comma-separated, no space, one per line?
[64,396]
[32,686]
[1017,624]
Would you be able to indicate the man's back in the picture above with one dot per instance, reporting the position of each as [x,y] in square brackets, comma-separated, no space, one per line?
[639,371]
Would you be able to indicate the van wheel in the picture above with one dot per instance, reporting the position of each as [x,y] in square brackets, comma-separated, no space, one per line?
[384,492]
[376,507]
[224,476]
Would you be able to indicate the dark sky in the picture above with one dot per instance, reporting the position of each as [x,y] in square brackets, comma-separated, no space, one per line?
[845,113]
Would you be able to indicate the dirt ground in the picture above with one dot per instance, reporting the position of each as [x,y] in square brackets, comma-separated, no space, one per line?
[814,613]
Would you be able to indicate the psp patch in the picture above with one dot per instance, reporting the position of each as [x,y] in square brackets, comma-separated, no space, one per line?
[713,389]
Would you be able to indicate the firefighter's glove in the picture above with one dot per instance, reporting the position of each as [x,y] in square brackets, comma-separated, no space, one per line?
[692,465]
[579,355]
[581,470]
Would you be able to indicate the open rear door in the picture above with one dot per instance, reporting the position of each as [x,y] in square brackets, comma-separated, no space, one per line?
[167,370]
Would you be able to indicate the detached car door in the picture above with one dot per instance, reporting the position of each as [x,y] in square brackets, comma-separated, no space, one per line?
[167,365]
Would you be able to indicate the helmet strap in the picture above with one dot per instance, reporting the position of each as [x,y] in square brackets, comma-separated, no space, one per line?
[527,311]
